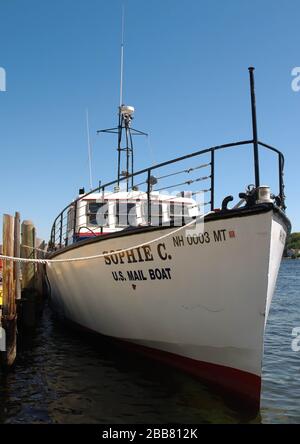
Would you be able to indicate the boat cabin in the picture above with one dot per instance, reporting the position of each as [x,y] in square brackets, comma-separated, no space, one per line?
[102,213]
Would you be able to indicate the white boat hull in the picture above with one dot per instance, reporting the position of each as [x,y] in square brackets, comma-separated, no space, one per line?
[200,303]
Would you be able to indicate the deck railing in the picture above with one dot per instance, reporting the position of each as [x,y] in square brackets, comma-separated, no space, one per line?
[153,179]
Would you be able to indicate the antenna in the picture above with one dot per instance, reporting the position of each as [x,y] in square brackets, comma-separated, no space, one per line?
[122,56]
[124,126]
[89,148]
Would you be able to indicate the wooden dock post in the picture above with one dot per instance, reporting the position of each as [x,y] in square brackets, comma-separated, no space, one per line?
[9,312]
[17,252]
[28,252]
[40,269]
[29,293]
[18,296]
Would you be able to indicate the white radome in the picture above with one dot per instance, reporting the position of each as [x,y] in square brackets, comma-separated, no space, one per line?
[127,110]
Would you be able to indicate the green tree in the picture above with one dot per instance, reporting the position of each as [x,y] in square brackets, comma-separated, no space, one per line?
[293,241]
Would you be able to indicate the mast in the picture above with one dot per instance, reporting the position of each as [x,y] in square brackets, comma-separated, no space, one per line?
[124,129]
[122,57]
[121,94]
[125,132]
[254,126]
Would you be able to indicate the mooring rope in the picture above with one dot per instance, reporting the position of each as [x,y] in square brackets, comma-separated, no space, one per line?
[97,256]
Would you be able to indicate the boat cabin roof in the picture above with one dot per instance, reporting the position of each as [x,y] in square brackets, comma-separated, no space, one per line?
[184,197]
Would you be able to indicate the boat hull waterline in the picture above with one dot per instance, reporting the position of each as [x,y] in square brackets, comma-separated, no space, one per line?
[199,302]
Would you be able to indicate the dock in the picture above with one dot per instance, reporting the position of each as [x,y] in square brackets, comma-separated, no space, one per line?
[21,283]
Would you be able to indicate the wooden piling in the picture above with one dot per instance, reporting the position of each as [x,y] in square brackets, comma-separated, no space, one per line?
[9,313]
[40,269]
[2,339]
[17,252]
[30,294]
[28,251]
[23,285]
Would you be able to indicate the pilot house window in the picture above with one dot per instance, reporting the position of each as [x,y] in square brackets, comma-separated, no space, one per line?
[156,212]
[178,213]
[71,215]
[125,214]
[97,213]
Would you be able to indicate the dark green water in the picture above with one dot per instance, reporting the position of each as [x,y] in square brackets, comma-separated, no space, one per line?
[62,376]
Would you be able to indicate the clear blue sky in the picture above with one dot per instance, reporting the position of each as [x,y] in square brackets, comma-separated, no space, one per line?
[185,72]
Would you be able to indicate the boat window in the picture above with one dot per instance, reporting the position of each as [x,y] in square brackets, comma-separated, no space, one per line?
[156,212]
[125,213]
[177,212]
[70,220]
[97,213]
[178,209]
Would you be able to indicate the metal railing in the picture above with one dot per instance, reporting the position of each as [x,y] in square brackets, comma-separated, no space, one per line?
[148,181]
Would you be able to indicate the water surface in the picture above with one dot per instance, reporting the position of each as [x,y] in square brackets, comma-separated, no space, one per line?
[62,376]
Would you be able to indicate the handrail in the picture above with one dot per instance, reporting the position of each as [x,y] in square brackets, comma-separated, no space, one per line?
[159,165]
[150,170]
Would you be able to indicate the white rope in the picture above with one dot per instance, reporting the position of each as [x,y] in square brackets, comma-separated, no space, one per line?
[97,256]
